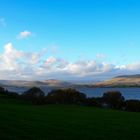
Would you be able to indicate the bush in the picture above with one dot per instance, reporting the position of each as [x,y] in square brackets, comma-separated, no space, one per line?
[36,95]
[94,102]
[5,93]
[65,96]
[132,105]
[113,99]
[2,90]
[12,94]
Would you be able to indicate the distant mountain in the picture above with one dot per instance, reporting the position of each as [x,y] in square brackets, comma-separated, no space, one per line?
[121,81]
[56,83]
[129,76]
[49,83]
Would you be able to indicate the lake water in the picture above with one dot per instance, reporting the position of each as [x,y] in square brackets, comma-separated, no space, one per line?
[128,93]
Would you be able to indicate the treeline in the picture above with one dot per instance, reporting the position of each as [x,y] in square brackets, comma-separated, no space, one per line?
[110,99]
[4,93]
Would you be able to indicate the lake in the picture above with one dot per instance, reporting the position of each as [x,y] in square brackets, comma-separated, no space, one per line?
[128,93]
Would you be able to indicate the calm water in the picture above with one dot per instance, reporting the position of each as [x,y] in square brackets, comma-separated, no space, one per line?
[128,93]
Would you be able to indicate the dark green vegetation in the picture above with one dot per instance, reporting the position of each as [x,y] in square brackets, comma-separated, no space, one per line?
[20,120]
[110,99]
[64,114]
[66,96]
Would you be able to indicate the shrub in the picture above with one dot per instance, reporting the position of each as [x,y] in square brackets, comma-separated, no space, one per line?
[113,99]
[132,105]
[94,102]
[66,96]
[2,91]
[36,95]
[12,94]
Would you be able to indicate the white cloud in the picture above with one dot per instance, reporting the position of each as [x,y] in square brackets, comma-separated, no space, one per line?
[100,56]
[24,34]
[133,66]
[9,57]
[2,22]
[16,64]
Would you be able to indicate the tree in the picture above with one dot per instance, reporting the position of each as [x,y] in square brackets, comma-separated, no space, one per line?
[132,105]
[12,94]
[113,99]
[93,101]
[66,96]
[2,90]
[36,95]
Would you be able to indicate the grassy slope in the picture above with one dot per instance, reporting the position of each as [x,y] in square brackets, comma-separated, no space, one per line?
[20,121]
[121,81]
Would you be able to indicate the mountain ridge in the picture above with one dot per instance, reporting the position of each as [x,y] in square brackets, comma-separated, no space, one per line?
[129,76]
[122,80]
[24,83]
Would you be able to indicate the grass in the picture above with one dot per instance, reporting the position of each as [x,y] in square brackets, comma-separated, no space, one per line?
[23,121]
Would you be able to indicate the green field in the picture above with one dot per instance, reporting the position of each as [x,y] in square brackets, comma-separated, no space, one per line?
[23,121]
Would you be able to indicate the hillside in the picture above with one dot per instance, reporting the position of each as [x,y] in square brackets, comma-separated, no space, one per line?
[23,121]
[124,80]
[49,83]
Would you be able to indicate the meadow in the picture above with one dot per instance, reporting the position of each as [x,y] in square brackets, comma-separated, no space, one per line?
[20,120]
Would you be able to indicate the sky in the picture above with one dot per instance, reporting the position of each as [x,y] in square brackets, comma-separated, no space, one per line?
[69,39]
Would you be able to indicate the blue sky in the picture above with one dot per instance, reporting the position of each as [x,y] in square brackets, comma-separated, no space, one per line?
[74,31]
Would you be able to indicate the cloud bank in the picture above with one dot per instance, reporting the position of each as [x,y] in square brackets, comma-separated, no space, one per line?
[16,64]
